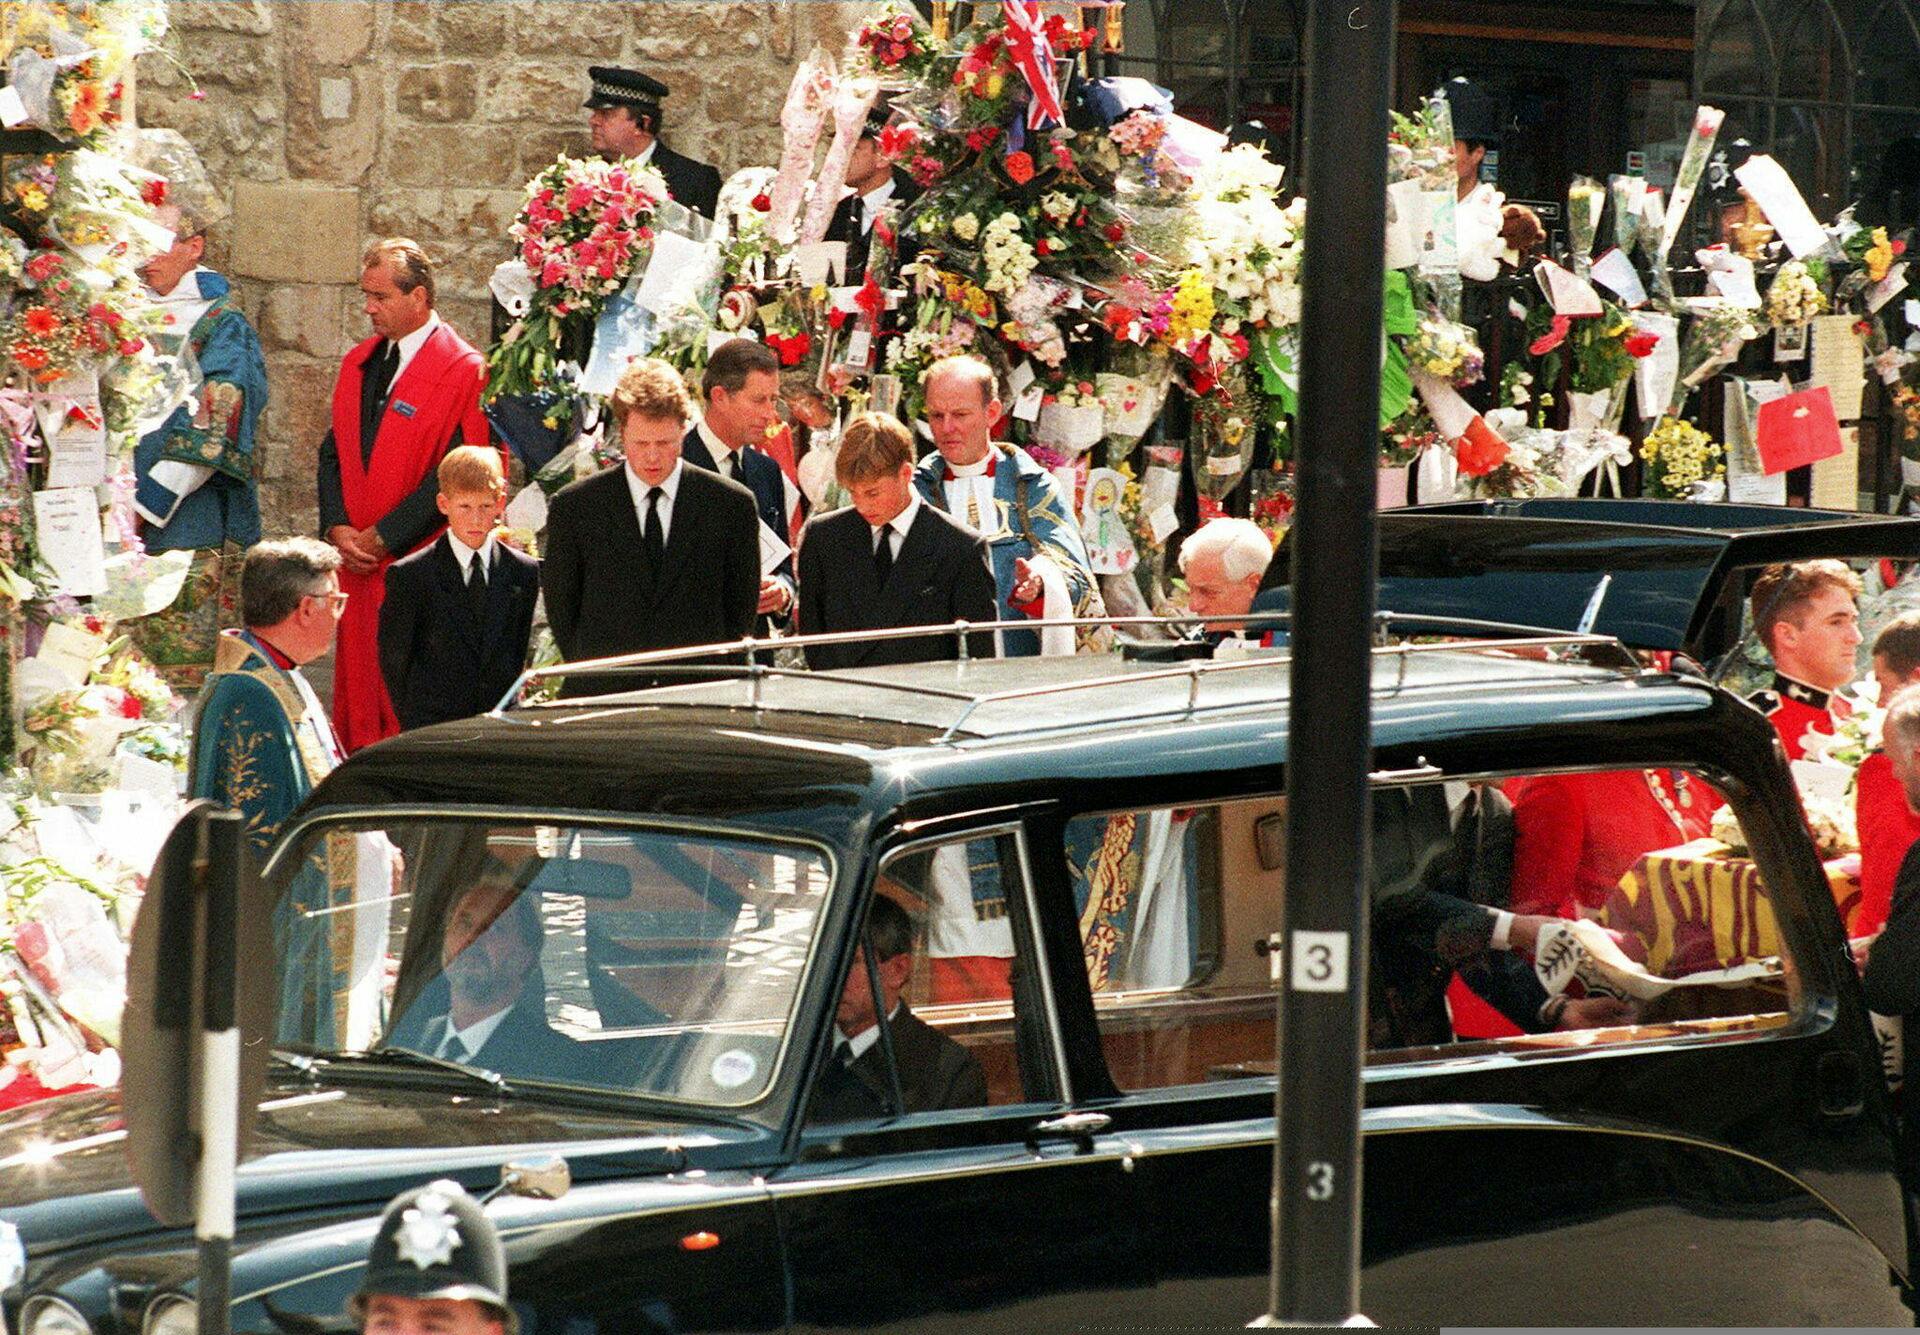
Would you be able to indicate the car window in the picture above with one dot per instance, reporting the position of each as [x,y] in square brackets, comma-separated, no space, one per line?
[1530,912]
[947,924]
[654,961]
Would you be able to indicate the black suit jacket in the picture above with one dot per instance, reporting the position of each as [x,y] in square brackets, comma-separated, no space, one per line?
[1891,983]
[604,598]
[523,1044]
[936,1074]
[763,478]
[860,239]
[440,661]
[695,184]
[941,573]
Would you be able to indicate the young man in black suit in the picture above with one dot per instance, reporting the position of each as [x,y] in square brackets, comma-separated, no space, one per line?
[741,386]
[652,554]
[458,615]
[625,123]
[890,559]
[936,1073]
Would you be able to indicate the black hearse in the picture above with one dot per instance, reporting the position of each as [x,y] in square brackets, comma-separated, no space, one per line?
[1095,849]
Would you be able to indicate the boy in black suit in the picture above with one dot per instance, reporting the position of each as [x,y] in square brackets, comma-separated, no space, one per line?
[890,559]
[458,615]
[653,554]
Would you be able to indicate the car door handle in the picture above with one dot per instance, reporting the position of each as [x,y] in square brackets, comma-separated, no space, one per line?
[1079,1127]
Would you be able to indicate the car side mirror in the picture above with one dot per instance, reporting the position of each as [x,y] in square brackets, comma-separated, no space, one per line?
[543,1179]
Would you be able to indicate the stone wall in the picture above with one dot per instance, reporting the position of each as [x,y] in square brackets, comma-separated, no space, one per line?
[328,122]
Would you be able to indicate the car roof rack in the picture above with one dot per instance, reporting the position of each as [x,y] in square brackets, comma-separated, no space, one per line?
[1502,637]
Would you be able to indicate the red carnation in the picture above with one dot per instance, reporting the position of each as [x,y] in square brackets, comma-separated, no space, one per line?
[129,707]
[761,203]
[129,346]
[1019,168]
[1641,343]
[154,193]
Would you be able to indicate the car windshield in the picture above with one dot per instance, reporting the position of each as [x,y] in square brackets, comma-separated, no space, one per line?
[649,961]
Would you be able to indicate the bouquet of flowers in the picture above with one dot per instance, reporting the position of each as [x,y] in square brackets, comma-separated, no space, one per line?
[1447,350]
[1794,298]
[1680,457]
[66,325]
[894,45]
[586,228]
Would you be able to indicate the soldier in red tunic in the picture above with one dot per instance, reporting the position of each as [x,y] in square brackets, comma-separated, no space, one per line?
[1886,823]
[1804,613]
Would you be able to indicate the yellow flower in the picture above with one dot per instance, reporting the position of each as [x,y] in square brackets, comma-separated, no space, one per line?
[996,82]
[1879,256]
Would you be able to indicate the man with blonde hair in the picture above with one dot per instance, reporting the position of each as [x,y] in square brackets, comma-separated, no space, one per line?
[402,399]
[889,559]
[458,614]
[1040,566]
[1804,612]
[652,554]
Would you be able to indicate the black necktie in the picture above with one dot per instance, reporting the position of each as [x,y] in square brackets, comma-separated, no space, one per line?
[654,538]
[477,586]
[733,468]
[376,378]
[857,214]
[883,554]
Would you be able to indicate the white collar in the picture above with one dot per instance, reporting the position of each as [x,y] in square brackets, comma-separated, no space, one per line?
[475,1036]
[185,292]
[903,521]
[978,469]
[866,1038]
[670,484]
[645,155]
[465,554]
[718,448]
[409,344]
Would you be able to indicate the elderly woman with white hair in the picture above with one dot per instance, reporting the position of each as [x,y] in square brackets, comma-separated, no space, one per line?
[1224,562]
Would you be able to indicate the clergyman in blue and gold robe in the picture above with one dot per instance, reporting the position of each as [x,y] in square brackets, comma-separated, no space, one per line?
[1040,566]
[195,474]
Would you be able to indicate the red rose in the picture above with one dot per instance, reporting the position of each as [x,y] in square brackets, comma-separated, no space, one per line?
[154,193]
[1043,247]
[1019,168]
[1063,156]
[129,346]
[836,318]
[761,203]
[1897,246]
[1115,232]
[129,707]
[1641,344]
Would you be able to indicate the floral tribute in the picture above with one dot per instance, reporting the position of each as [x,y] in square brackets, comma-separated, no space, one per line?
[586,228]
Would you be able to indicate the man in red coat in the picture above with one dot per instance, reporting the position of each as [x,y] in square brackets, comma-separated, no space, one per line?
[403,398]
[1804,612]
[1887,825]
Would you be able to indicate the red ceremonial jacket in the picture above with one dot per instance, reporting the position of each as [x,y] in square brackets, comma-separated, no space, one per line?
[1576,835]
[1795,708]
[1887,829]
[437,393]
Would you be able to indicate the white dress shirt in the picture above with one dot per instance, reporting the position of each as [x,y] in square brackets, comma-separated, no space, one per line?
[465,555]
[873,201]
[411,344]
[898,525]
[472,1038]
[857,1045]
[721,452]
[638,489]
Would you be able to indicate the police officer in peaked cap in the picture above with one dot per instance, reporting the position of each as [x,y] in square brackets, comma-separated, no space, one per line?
[436,1267]
[624,107]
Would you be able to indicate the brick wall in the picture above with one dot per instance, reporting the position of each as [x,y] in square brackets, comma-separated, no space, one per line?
[327,123]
